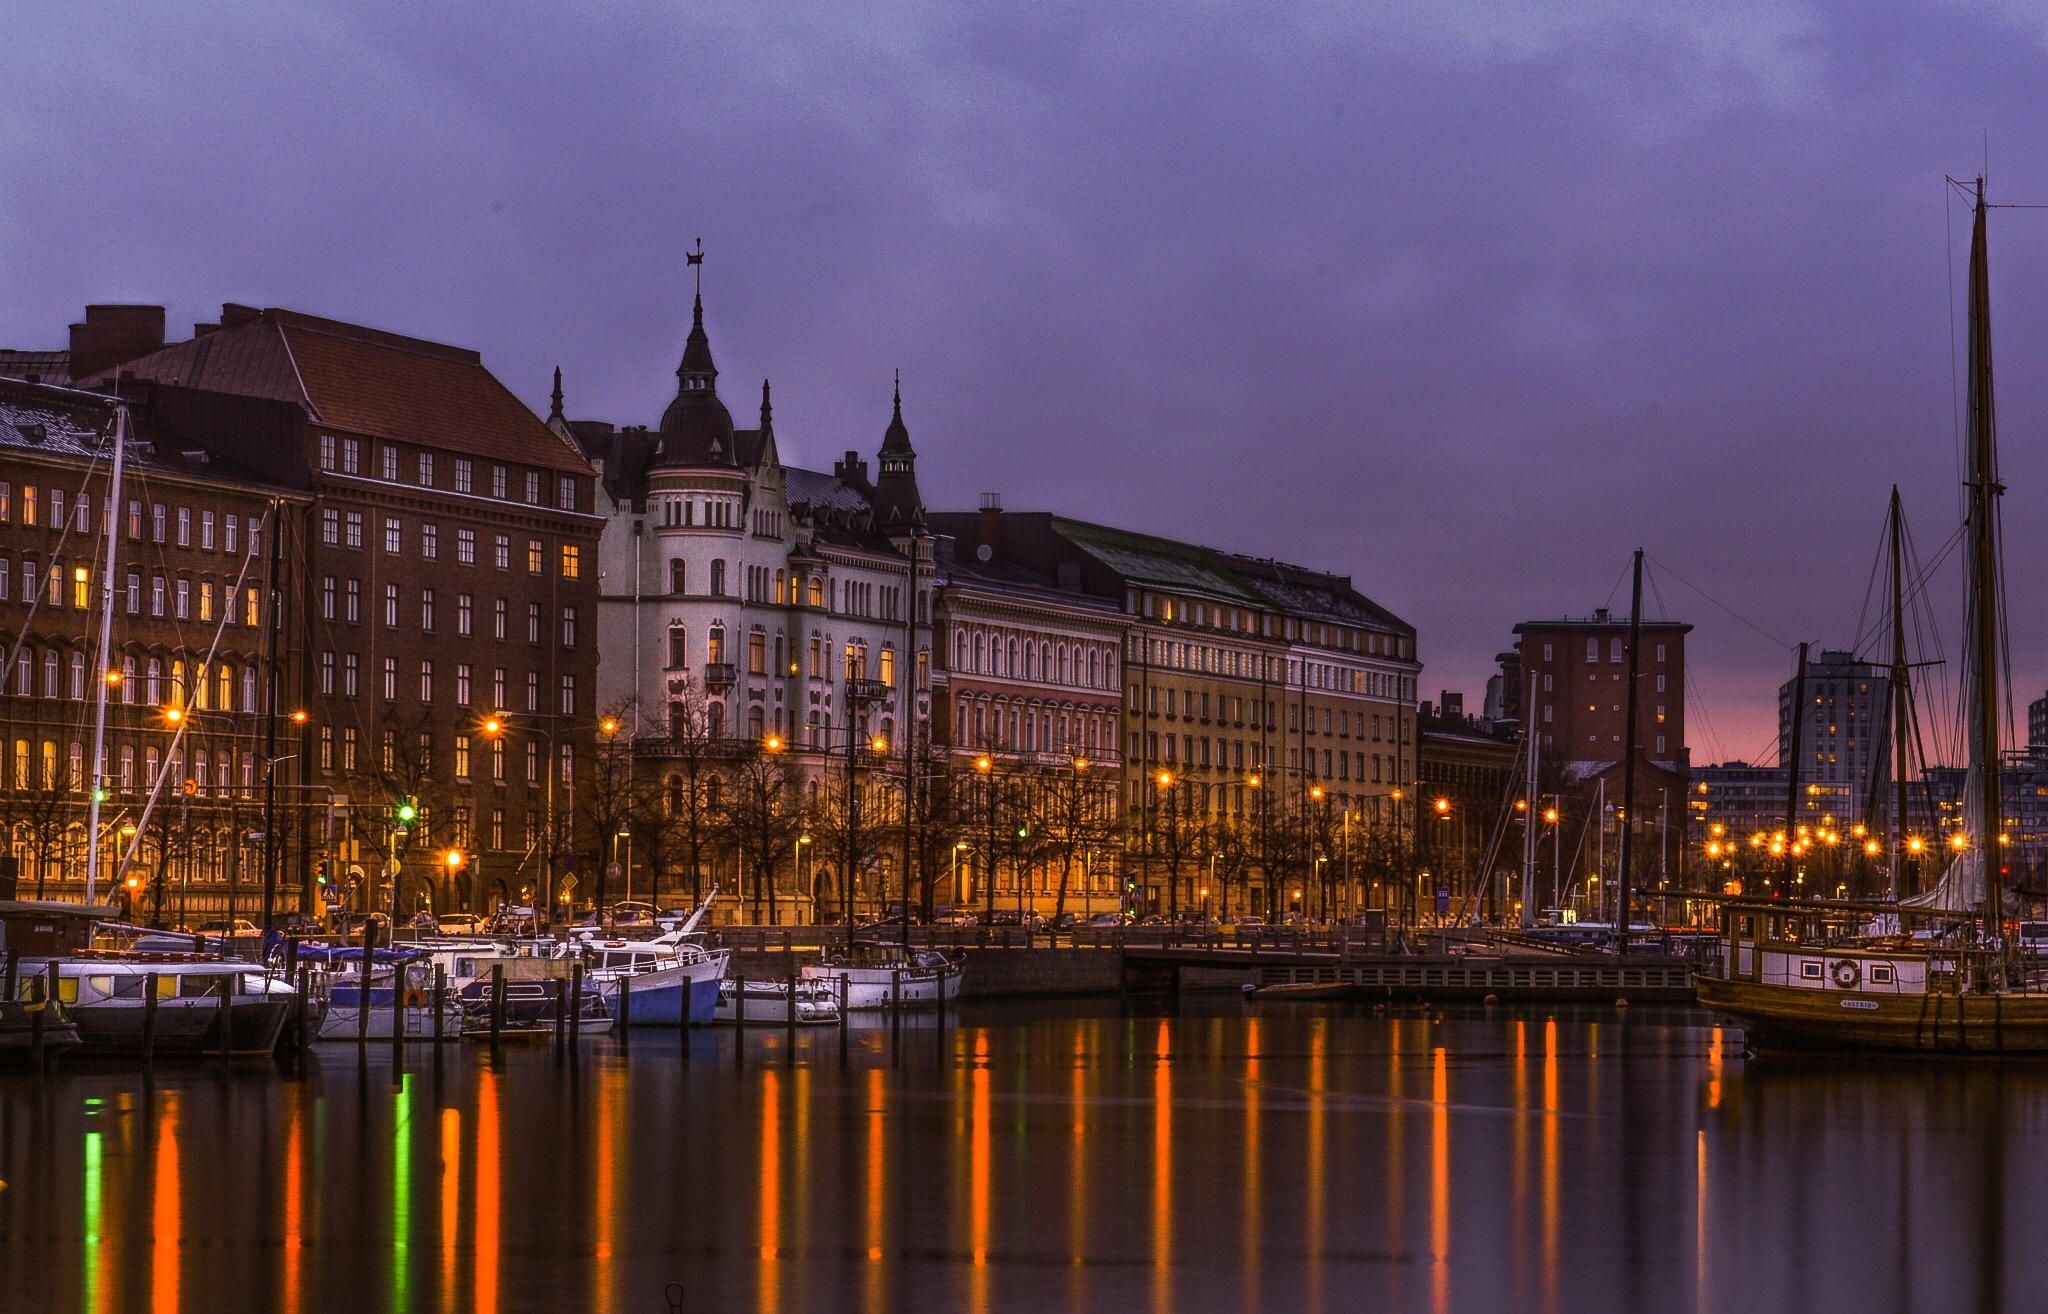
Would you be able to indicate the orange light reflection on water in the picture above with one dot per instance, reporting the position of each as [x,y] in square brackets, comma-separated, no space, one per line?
[294,1198]
[1315,1229]
[1162,1172]
[978,1176]
[166,1235]
[1440,1183]
[1248,1258]
[451,1202]
[768,1297]
[484,1282]
[877,1182]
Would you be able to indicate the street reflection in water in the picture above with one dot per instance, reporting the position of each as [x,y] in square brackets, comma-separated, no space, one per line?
[1086,1156]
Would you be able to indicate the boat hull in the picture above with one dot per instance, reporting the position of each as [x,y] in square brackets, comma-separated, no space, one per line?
[183,1026]
[1788,1019]
[343,1017]
[672,996]
[767,1004]
[869,988]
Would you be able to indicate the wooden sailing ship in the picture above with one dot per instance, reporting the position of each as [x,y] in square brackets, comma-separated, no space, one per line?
[1934,972]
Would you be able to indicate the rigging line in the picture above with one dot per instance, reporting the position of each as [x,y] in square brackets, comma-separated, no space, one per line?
[1609,602]
[40,589]
[172,753]
[1916,589]
[1716,602]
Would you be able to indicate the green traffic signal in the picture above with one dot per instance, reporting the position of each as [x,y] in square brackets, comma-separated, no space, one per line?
[407,812]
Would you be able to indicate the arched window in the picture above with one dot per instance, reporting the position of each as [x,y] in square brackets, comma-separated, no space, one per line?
[155,692]
[718,579]
[1094,669]
[678,575]
[714,719]
[1010,658]
[127,679]
[754,723]
[678,647]
[959,650]
[980,654]
[50,673]
[817,592]
[224,687]
[714,644]
[77,675]
[675,795]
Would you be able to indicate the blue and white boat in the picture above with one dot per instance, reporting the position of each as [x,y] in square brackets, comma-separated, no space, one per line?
[672,978]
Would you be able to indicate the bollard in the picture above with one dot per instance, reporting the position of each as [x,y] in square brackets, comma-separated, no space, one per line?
[305,980]
[363,991]
[561,1023]
[35,1027]
[739,1021]
[574,985]
[497,1007]
[399,990]
[440,1002]
[895,1013]
[149,1019]
[624,1021]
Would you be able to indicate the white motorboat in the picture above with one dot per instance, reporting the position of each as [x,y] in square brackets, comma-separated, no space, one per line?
[767,1002]
[877,975]
[673,978]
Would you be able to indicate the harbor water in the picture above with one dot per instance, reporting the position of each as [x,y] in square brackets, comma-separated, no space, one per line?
[1093,1156]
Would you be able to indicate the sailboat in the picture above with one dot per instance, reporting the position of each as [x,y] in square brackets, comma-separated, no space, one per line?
[1934,972]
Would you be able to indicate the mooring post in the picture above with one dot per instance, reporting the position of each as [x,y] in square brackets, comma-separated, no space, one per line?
[497,1007]
[148,1020]
[623,1023]
[574,986]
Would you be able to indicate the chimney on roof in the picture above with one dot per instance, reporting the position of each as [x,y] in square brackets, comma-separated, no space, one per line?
[201,330]
[1600,615]
[234,316]
[853,472]
[114,335]
[991,534]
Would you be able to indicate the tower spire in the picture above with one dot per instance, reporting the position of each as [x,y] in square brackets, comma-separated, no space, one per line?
[555,406]
[767,408]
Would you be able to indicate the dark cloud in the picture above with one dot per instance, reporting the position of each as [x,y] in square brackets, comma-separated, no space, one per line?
[1467,302]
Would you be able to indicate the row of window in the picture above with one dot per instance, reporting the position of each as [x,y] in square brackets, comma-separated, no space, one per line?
[1006,655]
[1227,754]
[857,598]
[1241,620]
[342,600]
[1238,664]
[198,773]
[420,757]
[347,456]
[230,686]
[180,597]
[421,678]
[54,508]
[1031,726]
[344,529]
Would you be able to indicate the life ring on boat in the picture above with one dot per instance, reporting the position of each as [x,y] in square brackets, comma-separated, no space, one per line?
[415,997]
[1846,973]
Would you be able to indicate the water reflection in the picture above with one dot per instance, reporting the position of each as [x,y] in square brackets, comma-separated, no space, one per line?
[1287,1158]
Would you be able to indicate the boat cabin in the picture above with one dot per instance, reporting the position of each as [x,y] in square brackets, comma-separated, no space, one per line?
[46,928]
[1840,947]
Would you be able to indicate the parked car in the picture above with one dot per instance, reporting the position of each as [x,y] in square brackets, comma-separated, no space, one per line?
[632,914]
[1106,920]
[1025,917]
[379,920]
[459,924]
[1064,922]
[954,917]
[241,926]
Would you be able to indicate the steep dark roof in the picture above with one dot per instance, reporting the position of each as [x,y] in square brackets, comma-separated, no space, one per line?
[696,429]
[71,424]
[366,381]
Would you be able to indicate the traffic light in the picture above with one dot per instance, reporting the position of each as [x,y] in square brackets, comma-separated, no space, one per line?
[99,793]
[320,872]
[407,812]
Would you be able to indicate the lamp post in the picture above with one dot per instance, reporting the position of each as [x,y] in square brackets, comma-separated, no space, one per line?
[986,765]
[953,881]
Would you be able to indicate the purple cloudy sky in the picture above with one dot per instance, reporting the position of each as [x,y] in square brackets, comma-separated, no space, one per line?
[1465,299]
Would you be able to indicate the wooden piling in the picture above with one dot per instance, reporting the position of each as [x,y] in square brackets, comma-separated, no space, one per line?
[227,1019]
[440,1003]
[574,985]
[623,1023]
[399,990]
[497,1007]
[304,976]
[363,995]
[149,1019]
[844,996]
[789,1022]
[895,1013]
[13,973]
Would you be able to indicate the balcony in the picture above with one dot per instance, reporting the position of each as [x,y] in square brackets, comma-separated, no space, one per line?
[719,675]
[866,691]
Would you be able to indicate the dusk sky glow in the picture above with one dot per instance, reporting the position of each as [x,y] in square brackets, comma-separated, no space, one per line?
[1465,300]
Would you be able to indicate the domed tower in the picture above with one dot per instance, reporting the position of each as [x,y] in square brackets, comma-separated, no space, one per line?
[696,429]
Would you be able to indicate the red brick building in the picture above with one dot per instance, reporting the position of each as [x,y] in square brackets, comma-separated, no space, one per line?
[444,642]
[1575,670]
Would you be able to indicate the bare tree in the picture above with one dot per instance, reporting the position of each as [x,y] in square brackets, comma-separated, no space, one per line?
[607,797]
[695,768]
[763,814]
[1069,813]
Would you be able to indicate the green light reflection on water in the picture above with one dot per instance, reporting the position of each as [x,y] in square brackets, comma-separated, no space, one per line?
[88,1252]
[401,1192]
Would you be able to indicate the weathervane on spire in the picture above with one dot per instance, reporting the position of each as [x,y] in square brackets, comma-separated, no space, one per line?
[696,261]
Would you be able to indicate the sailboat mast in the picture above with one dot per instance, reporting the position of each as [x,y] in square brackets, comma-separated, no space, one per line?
[1900,674]
[1527,918]
[111,521]
[1628,763]
[1984,493]
[1792,757]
